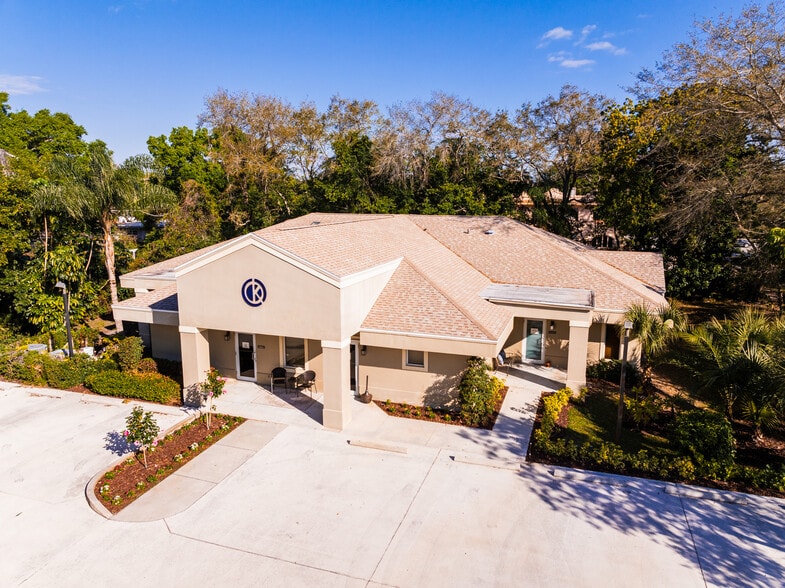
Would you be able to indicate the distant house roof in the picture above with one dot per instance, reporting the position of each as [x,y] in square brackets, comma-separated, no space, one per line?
[451,267]
[5,162]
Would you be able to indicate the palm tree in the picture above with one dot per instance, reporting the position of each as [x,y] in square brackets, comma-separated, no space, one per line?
[656,330]
[739,363]
[92,189]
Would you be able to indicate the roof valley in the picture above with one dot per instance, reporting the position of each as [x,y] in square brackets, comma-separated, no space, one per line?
[461,308]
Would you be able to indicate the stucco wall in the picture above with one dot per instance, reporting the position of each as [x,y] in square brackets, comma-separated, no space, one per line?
[595,343]
[298,304]
[313,361]
[388,380]
[557,343]
[513,347]
[268,356]
[165,341]
[556,348]
[222,353]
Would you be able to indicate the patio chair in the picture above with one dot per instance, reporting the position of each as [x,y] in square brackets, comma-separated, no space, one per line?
[278,376]
[307,380]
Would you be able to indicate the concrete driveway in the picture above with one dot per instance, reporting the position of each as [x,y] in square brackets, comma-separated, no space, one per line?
[308,508]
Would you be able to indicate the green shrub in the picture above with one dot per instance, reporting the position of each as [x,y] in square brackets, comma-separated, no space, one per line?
[552,406]
[478,393]
[766,478]
[610,371]
[129,353]
[705,436]
[642,409]
[67,373]
[150,387]
[27,368]
[610,457]
[147,366]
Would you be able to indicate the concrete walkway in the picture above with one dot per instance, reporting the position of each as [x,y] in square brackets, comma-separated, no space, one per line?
[304,506]
[505,446]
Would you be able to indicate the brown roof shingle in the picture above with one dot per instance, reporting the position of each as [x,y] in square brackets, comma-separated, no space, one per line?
[447,261]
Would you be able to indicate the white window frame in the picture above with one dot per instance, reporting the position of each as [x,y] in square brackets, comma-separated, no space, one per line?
[282,354]
[414,367]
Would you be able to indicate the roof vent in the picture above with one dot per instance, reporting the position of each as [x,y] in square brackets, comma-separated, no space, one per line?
[489,232]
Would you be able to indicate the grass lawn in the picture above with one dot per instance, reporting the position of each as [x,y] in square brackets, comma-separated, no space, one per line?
[759,464]
[594,420]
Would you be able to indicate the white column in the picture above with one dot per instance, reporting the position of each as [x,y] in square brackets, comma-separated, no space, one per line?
[577,353]
[195,350]
[337,384]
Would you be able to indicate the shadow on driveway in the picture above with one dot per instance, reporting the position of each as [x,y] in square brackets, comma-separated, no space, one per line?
[735,544]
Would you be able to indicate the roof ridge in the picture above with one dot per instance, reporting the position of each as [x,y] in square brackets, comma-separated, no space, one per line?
[597,252]
[605,268]
[350,219]
[445,245]
[464,311]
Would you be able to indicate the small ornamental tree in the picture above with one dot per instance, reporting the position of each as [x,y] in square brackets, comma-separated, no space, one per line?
[478,393]
[129,353]
[211,388]
[141,431]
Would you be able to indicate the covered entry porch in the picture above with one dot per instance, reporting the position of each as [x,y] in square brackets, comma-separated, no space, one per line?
[252,357]
[550,327]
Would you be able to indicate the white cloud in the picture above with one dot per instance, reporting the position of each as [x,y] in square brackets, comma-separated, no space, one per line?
[556,34]
[585,32]
[606,46]
[21,85]
[557,57]
[576,63]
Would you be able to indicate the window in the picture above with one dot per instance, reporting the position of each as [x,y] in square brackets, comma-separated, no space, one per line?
[414,359]
[294,352]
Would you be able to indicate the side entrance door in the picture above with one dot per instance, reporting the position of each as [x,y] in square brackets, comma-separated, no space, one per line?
[534,349]
[246,356]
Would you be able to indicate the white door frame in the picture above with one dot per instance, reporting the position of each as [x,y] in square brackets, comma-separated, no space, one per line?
[542,340]
[237,356]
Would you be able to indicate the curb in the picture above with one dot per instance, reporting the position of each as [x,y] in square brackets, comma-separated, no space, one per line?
[89,490]
[478,460]
[700,493]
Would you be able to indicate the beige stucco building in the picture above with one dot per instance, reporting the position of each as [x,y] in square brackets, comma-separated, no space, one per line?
[398,301]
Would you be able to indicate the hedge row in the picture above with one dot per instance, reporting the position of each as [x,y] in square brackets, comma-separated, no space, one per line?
[149,387]
[39,369]
[609,457]
[552,406]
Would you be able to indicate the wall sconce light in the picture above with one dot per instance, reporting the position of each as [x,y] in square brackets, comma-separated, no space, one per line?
[363,349]
[552,327]
[227,336]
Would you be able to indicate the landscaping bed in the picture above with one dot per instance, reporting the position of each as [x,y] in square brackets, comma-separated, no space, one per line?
[124,483]
[582,436]
[437,415]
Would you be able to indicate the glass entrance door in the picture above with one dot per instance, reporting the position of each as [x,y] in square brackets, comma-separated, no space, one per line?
[246,357]
[533,341]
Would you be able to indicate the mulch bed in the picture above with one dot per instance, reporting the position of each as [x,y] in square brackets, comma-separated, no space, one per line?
[770,451]
[120,486]
[436,415]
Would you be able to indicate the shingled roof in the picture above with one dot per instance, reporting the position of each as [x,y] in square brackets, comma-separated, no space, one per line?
[447,262]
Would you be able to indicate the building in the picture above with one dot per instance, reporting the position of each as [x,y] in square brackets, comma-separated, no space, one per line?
[401,301]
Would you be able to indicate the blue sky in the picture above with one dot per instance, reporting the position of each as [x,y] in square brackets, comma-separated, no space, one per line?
[128,69]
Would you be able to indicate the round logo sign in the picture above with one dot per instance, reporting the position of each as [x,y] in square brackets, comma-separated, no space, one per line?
[254,292]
